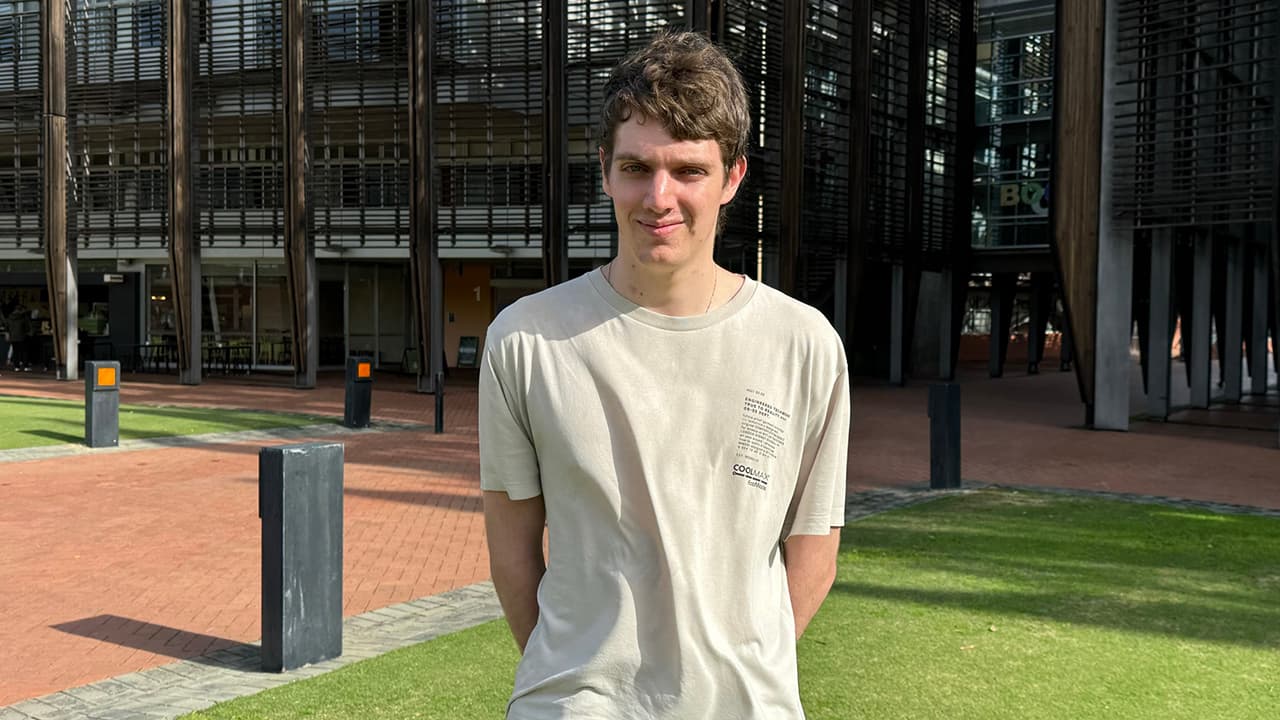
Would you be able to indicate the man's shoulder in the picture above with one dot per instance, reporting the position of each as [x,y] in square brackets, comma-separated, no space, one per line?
[793,317]
[543,311]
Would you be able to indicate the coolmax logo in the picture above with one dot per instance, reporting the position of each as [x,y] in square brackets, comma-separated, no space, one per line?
[755,478]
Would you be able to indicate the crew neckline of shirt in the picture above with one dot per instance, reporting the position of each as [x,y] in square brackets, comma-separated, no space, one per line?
[670,322]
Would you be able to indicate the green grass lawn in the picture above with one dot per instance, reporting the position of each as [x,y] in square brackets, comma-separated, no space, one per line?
[31,422]
[992,605]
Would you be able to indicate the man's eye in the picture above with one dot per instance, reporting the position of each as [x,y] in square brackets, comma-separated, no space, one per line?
[632,168]
[694,171]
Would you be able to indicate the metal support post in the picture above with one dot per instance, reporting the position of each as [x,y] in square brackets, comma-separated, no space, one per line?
[439,402]
[1230,338]
[1201,362]
[300,503]
[944,436]
[1160,326]
[1258,331]
[1004,289]
[897,326]
[101,404]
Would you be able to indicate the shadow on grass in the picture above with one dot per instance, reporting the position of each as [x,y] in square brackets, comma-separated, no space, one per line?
[55,436]
[1137,568]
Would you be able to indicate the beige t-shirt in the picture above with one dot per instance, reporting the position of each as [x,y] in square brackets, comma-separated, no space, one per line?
[674,456]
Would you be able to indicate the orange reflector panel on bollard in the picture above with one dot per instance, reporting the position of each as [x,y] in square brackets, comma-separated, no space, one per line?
[362,370]
[106,377]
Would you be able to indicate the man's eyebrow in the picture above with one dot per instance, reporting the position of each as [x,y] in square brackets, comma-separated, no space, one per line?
[682,162]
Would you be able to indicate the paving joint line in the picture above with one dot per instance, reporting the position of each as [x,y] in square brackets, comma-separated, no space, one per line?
[46,452]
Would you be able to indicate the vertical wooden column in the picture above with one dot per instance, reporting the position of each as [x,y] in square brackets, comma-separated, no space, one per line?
[859,160]
[59,252]
[555,142]
[792,210]
[699,16]
[424,259]
[1275,194]
[1073,214]
[184,250]
[300,253]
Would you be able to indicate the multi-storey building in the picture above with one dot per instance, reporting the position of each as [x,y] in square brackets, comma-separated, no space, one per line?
[303,180]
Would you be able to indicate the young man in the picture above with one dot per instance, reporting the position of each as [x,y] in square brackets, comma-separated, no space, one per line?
[680,430]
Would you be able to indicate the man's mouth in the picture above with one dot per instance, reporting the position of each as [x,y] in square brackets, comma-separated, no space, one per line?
[660,228]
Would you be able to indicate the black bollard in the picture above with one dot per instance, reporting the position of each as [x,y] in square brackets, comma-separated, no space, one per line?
[359,399]
[944,436]
[439,403]
[101,404]
[300,503]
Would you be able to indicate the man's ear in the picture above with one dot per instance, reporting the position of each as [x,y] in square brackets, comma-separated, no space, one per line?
[604,174]
[737,171]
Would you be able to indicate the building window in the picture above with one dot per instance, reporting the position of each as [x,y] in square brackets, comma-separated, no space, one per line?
[8,38]
[100,23]
[352,35]
[148,21]
[270,36]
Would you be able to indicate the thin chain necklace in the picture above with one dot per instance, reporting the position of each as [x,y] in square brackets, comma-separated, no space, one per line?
[715,279]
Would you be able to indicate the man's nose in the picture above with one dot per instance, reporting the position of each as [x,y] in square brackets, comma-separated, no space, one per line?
[659,197]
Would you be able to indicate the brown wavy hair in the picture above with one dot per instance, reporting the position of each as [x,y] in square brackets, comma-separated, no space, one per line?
[688,84]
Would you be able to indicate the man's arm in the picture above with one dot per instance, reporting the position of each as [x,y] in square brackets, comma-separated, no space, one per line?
[811,569]
[514,531]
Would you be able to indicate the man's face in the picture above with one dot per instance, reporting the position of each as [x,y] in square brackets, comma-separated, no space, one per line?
[666,194]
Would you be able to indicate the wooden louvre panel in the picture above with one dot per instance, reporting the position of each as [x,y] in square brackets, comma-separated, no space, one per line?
[238,123]
[117,136]
[753,38]
[1194,144]
[357,85]
[488,144]
[890,67]
[941,130]
[21,108]
[827,89]
[601,33]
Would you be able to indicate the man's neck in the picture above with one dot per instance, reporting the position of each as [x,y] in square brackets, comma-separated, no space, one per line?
[681,292]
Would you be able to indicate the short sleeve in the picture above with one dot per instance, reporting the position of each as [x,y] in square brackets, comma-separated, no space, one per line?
[508,458]
[818,503]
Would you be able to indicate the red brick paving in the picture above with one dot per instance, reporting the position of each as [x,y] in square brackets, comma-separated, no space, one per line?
[120,561]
